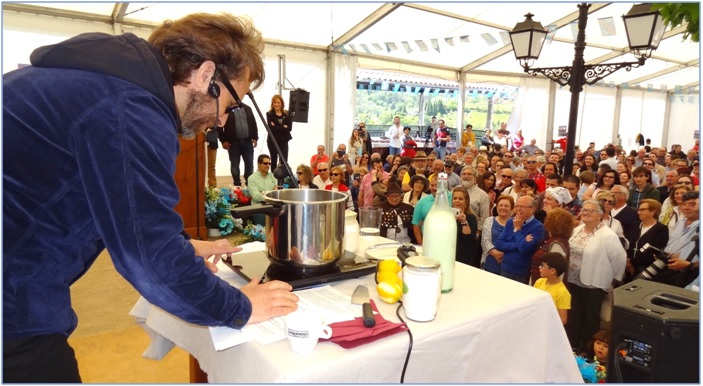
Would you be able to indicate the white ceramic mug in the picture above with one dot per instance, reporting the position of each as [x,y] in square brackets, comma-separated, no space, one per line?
[303,329]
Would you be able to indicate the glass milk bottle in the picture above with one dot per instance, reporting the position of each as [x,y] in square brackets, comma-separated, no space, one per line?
[351,231]
[439,234]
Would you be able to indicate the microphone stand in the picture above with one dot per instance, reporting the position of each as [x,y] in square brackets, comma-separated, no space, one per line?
[284,162]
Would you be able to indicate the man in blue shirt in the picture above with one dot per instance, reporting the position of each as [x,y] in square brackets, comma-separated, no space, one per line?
[520,239]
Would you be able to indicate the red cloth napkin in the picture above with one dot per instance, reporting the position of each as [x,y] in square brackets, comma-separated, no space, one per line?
[353,333]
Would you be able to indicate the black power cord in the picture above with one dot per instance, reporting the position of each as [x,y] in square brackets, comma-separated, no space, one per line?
[410,344]
[618,358]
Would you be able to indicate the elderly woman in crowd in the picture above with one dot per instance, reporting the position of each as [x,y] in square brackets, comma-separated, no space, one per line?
[558,224]
[492,228]
[467,226]
[419,185]
[396,220]
[556,197]
[597,261]
[607,202]
[649,230]
[337,185]
[305,177]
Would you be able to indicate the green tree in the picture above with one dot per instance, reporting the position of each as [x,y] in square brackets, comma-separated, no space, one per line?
[676,14]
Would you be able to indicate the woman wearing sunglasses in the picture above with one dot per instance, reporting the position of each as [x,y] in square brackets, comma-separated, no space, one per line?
[337,185]
[304,173]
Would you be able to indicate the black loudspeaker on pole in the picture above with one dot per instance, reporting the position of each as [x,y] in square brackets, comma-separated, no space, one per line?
[298,105]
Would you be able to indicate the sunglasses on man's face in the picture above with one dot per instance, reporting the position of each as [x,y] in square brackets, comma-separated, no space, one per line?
[321,170]
[266,163]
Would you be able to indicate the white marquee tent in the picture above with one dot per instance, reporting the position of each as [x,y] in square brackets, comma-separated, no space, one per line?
[320,46]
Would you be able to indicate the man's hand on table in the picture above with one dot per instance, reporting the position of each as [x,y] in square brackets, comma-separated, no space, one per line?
[269,300]
[213,249]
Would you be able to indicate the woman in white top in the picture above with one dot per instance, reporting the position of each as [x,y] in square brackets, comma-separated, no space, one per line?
[597,259]
[356,146]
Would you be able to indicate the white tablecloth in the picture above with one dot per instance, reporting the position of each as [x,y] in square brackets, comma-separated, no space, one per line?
[488,330]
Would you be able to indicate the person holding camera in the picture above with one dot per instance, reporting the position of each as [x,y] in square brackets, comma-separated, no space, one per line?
[648,231]
[682,248]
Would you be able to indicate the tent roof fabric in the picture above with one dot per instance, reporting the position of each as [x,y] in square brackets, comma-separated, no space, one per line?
[467,37]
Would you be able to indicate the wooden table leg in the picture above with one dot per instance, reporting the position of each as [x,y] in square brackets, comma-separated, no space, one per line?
[197,375]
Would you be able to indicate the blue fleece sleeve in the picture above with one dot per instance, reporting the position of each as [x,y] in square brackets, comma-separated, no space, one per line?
[127,167]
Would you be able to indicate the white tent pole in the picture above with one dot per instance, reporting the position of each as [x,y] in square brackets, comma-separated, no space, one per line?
[551,108]
[667,116]
[616,115]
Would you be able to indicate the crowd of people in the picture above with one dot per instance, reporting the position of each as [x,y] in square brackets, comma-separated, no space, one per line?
[577,235]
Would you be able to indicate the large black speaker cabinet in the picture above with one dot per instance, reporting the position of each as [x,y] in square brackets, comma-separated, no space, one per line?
[299,104]
[655,334]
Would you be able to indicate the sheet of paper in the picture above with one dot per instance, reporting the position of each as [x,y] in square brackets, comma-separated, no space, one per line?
[331,304]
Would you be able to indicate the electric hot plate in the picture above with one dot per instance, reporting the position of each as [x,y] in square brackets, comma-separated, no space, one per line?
[256,264]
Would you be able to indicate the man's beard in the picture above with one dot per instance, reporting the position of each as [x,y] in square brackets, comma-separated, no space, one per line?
[194,120]
[468,184]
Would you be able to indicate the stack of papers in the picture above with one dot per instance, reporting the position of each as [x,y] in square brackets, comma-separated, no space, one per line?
[331,304]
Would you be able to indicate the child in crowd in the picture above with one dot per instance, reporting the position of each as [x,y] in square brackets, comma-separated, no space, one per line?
[553,265]
[598,348]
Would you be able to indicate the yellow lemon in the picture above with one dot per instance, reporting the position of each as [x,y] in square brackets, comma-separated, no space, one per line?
[388,265]
[389,292]
[388,277]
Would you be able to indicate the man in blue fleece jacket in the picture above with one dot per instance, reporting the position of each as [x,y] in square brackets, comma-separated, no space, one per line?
[520,239]
[91,131]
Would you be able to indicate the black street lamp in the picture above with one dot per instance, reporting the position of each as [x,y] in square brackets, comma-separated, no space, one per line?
[644,29]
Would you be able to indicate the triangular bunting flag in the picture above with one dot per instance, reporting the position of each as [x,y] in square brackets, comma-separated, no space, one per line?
[408,88]
[650,87]
[551,31]
[406,45]
[435,44]
[377,46]
[366,48]
[677,90]
[607,26]
[464,39]
[691,99]
[625,85]
[344,51]
[455,94]
[681,98]
[449,41]
[422,45]
[489,39]
[664,88]
[574,29]
[390,46]
[505,37]
[436,92]
[384,86]
[396,87]
[427,91]
[353,48]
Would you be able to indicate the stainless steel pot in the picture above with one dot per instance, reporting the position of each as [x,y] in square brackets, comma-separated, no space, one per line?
[304,227]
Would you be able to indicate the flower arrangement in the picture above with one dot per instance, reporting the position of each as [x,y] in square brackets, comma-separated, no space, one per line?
[255,232]
[590,372]
[218,202]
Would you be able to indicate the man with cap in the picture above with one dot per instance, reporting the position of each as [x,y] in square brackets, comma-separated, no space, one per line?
[396,220]
[418,166]
[453,179]
[483,150]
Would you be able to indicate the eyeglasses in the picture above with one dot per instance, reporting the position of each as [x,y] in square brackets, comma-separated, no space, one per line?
[531,162]
[523,207]
[362,127]
[365,157]
[589,210]
[334,174]
[300,173]
[684,183]
[507,156]
[231,108]
[266,163]
[504,176]
[641,209]
[321,170]
[609,202]
[544,266]
[608,176]
[648,164]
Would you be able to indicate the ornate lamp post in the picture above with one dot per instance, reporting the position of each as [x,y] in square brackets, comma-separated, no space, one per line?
[644,29]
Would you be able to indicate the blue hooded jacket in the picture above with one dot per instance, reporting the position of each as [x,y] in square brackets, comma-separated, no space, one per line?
[89,148]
